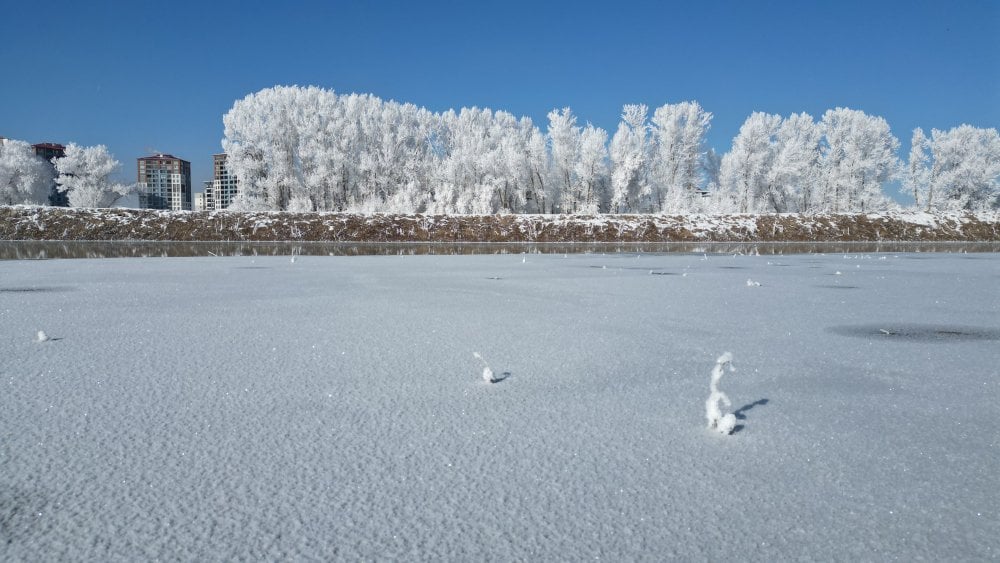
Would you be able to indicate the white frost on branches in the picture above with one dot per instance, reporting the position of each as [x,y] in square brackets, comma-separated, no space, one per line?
[85,173]
[25,178]
[630,161]
[310,149]
[858,157]
[954,170]
[678,162]
[784,165]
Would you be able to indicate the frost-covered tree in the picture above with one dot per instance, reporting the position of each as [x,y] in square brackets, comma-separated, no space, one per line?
[917,176]
[678,155]
[629,153]
[592,170]
[484,163]
[258,137]
[396,154]
[25,178]
[795,167]
[456,156]
[858,158]
[529,166]
[746,170]
[275,140]
[84,173]
[307,148]
[578,167]
[962,171]
[519,190]
[564,144]
[772,164]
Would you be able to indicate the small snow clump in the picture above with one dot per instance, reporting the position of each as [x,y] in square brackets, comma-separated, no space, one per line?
[723,424]
[42,337]
[487,372]
[751,283]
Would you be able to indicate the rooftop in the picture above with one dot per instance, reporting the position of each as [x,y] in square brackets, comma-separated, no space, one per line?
[50,146]
[160,156]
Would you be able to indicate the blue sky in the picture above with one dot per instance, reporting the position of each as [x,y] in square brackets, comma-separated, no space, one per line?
[145,76]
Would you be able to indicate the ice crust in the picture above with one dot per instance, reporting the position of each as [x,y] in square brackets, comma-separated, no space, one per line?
[331,409]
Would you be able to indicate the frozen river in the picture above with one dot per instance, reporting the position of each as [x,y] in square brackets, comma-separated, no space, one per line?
[265,407]
[47,250]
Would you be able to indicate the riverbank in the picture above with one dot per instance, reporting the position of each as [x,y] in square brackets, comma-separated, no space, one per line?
[63,224]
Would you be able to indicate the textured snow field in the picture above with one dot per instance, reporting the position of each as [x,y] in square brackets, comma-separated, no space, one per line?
[331,408]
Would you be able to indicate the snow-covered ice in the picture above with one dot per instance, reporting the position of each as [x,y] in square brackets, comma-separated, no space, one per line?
[229,408]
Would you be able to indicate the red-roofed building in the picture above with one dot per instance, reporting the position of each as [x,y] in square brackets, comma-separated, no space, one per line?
[48,151]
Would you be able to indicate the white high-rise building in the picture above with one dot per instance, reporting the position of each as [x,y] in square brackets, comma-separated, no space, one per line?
[223,187]
[164,182]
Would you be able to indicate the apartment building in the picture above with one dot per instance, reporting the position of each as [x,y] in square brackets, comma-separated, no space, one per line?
[223,187]
[199,200]
[164,182]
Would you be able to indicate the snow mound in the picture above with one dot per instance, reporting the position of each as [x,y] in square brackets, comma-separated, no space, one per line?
[717,421]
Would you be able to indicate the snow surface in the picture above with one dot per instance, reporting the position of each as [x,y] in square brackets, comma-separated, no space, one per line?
[332,408]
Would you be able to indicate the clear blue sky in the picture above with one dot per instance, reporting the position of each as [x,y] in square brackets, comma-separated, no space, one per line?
[142,76]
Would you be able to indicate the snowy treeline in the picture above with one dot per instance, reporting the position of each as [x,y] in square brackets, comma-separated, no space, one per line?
[839,164]
[307,148]
[956,169]
[84,174]
[311,149]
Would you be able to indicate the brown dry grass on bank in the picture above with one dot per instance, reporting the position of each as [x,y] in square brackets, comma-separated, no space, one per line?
[48,223]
